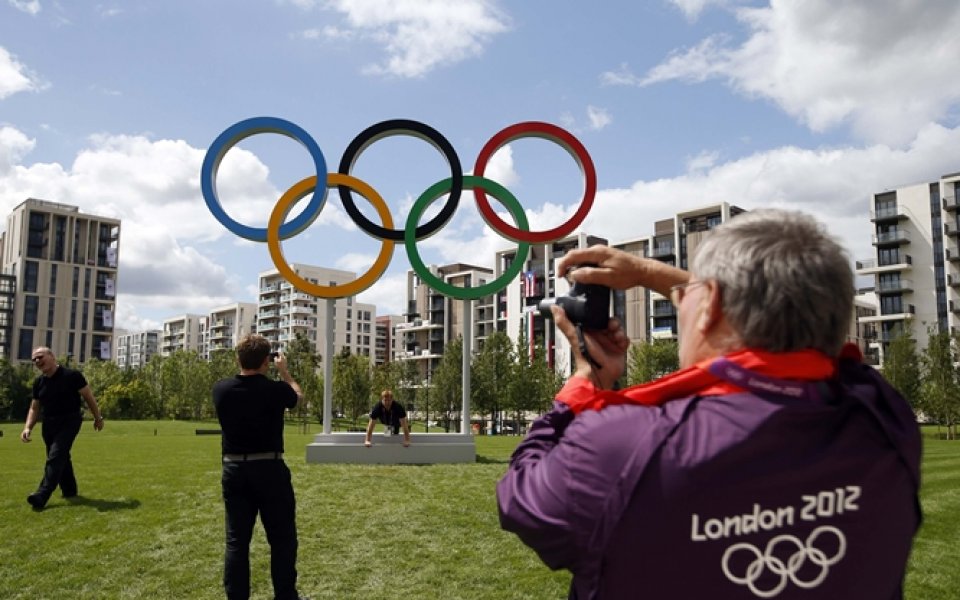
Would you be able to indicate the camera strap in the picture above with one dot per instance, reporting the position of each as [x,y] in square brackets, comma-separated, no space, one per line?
[582,343]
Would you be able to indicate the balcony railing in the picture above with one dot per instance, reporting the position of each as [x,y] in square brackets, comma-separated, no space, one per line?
[950,203]
[900,285]
[888,212]
[892,237]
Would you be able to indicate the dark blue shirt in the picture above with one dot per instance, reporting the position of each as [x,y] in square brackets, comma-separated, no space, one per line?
[250,409]
[59,394]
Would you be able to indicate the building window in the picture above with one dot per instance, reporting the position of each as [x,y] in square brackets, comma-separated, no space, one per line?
[30,270]
[59,237]
[30,305]
[51,305]
[73,316]
[86,283]
[83,319]
[25,345]
[53,280]
[37,235]
[76,282]
[49,342]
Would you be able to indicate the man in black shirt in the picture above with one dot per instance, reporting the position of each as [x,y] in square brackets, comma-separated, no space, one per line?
[390,413]
[57,394]
[250,407]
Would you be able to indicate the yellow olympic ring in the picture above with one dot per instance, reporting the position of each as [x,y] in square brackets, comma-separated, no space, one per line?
[296,192]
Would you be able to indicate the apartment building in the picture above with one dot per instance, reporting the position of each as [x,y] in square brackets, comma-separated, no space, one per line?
[59,281]
[184,332]
[387,343]
[226,325]
[433,319]
[916,264]
[135,349]
[516,304]
[283,312]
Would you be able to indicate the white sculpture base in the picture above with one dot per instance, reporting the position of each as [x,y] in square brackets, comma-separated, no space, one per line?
[424,448]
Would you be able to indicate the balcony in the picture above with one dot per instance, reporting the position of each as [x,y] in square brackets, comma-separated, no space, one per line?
[662,252]
[664,311]
[952,255]
[892,238]
[892,287]
[896,263]
[951,230]
[950,203]
[906,312]
[889,213]
[953,280]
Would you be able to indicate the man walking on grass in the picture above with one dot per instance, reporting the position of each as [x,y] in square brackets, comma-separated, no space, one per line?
[57,395]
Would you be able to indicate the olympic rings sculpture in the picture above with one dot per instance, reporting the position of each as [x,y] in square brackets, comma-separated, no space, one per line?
[317,186]
[787,570]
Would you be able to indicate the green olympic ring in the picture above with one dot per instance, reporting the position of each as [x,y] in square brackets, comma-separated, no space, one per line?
[433,193]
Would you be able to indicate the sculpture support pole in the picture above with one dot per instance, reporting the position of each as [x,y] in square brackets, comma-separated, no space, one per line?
[328,368]
[467,346]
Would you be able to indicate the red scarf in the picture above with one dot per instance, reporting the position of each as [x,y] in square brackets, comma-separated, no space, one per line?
[804,365]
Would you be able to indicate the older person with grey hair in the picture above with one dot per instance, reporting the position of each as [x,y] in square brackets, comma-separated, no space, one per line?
[772,464]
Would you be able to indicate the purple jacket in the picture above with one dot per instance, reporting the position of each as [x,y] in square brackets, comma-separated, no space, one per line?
[748,495]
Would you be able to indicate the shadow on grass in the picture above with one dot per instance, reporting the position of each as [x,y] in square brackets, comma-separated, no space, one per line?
[100,504]
[487,460]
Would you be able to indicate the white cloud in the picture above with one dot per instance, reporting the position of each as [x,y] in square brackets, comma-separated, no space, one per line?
[881,66]
[692,8]
[14,145]
[153,187]
[389,294]
[832,184]
[500,167]
[31,7]
[599,117]
[417,35]
[14,77]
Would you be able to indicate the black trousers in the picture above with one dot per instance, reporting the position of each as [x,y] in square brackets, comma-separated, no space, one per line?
[259,487]
[58,435]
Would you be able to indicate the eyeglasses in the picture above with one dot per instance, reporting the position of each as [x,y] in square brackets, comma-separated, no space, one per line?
[677,291]
[37,358]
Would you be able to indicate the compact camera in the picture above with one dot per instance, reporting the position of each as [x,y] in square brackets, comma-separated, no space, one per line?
[586,304]
[273,356]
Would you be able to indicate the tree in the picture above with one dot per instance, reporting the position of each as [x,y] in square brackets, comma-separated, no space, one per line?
[303,364]
[16,389]
[447,382]
[186,385]
[101,374]
[491,375]
[151,375]
[647,361]
[941,386]
[901,367]
[126,400]
[352,383]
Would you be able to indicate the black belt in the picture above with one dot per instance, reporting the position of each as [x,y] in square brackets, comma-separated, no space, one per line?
[252,456]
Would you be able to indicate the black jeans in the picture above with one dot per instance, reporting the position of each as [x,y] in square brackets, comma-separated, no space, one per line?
[58,435]
[264,487]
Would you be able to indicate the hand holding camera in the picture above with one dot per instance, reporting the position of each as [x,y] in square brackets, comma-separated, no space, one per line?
[600,342]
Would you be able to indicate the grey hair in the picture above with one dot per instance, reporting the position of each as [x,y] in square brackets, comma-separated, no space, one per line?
[785,283]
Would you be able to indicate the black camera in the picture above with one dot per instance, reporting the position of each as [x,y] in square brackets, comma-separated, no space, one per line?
[273,356]
[586,304]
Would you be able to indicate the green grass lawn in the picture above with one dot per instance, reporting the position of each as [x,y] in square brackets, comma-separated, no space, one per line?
[149,524]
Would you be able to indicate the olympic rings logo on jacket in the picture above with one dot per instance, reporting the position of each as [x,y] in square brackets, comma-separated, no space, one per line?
[278,228]
[788,569]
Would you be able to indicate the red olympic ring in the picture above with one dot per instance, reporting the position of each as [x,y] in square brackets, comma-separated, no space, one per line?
[560,137]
